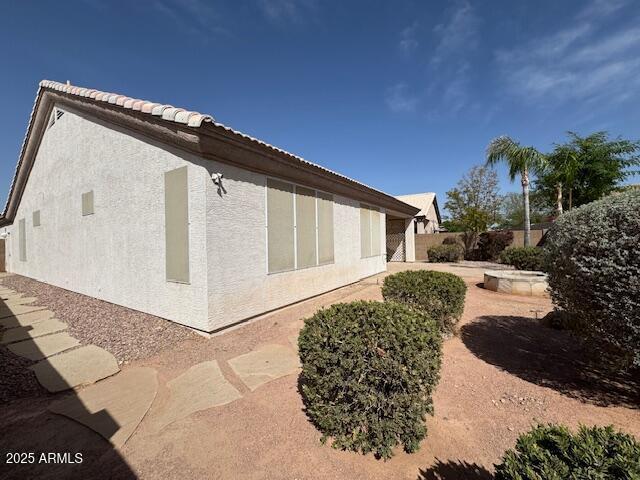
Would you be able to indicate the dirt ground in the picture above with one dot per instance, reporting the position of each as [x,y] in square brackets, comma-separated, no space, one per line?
[501,374]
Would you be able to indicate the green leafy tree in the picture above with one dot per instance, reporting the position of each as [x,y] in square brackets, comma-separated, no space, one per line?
[520,161]
[587,168]
[473,205]
[512,213]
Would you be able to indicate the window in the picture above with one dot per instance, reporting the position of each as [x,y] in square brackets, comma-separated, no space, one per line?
[87,203]
[176,218]
[22,240]
[299,227]
[370,230]
[36,218]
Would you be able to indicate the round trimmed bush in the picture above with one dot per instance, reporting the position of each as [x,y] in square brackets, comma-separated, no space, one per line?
[593,261]
[368,372]
[523,258]
[439,294]
[552,452]
[445,253]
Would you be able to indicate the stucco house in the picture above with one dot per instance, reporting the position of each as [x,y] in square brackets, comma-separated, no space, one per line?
[428,219]
[154,208]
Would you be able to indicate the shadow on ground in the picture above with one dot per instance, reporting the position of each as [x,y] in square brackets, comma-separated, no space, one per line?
[61,448]
[453,470]
[549,358]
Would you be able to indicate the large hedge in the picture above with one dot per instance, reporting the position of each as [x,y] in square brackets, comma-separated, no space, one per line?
[552,452]
[439,294]
[445,253]
[491,244]
[368,373]
[592,256]
[523,258]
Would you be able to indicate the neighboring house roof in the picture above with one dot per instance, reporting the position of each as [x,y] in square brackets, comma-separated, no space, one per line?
[423,201]
[146,117]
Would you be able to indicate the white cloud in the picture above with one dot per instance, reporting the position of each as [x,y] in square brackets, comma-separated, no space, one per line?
[408,42]
[398,98]
[587,62]
[457,34]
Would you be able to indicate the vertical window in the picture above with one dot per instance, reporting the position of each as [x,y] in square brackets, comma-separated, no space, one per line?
[36,218]
[22,240]
[370,230]
[176,214]
[325,228]
[280,226]
[87,203]
[299,227]
[306,228]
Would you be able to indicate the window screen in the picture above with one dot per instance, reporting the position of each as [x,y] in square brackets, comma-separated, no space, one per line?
[306,227]
[36,218]
[176,212]
[280,231]
[375,232]
[22,240]
[87,203]
[325,228]
[365,231]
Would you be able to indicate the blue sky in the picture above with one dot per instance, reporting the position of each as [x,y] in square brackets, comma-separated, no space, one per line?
[403,96]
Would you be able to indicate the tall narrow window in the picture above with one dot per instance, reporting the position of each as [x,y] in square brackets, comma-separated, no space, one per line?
[87,203]
[325,228]
[280,226]
[306,227]
[370,230]
[22,240]
[176,212]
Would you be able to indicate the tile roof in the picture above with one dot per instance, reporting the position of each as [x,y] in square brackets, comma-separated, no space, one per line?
[165,112]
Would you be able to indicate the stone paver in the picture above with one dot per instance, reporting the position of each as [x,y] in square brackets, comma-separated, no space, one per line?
[43,347]
[4,295]
[26,319]
[115,407]
[12,310]
[265,364]
[9,302]
[32,331]
[70,369]
[200,387]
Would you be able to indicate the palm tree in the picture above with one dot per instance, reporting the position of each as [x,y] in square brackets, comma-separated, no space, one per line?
[561,168]
[520,160]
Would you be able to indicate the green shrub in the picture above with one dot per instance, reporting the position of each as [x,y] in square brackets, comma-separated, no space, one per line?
[551,452]
[523,258]
[439,294]
[451,241]
[491,244]
[368,372]
[445,253]
[593,261]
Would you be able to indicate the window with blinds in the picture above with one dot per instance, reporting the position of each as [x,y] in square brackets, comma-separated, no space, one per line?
[370,231]
[299,227]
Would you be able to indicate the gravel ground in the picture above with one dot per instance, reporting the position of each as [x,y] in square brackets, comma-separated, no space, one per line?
[127,334]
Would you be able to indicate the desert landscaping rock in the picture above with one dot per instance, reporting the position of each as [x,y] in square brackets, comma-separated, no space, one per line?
[265,364]
[200,387]
[113,408]
[43,347]
[32,331]
[81,366]
[12,310]
[26,319]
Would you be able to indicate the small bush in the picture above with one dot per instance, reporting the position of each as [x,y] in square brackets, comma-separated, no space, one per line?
[523,258]
[368,372]
[445,253]
[439,294]
[552,452]
[491,244]
[591,256]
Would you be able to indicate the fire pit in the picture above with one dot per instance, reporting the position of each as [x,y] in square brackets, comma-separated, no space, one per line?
[516,282]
